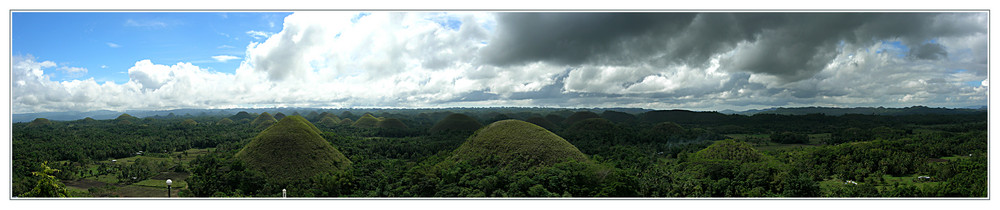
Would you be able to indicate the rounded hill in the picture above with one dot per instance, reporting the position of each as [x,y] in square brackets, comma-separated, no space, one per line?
[541,121]
[367,121]
[391,123]
[38,122]
[263,121]
[579,116]
[456,122]
[290,150]
[515,143]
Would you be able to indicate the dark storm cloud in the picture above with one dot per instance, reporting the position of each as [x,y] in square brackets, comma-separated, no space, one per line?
[928,51]
[791,46]
[572,38]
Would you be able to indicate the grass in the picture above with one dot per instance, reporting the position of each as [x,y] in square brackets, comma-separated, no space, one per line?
[292,150]
[161,183]
[507,141]
[104,178]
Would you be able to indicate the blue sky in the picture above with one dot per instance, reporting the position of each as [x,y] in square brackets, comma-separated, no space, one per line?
[85,61]
[108,44]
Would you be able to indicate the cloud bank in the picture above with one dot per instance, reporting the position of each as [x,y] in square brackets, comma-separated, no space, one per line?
[702,61]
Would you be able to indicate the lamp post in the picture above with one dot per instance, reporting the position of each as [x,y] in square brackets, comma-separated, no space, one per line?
[168,187]
[283,193]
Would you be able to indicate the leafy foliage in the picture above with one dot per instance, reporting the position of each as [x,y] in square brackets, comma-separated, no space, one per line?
[48,185]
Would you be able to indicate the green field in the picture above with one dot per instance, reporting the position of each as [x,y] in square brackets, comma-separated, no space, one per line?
[153,187]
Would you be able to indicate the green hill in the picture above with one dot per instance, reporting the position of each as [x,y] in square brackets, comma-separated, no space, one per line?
[243,115]
[126,117]
[391,123]
[188,122]
[619,117]
[329,122]
[279,116]
[224,121]
[517,144]
[456,122]
[541,121]
[579,116]
[346,121]
[367,121]
[327,114]
[729,150]
[38,122]
[291,150]
[263,121]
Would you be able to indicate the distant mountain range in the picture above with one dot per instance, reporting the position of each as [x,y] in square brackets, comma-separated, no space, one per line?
[833,111]
[105,114]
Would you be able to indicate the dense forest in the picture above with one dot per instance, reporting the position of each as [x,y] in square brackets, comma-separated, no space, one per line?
[504,152]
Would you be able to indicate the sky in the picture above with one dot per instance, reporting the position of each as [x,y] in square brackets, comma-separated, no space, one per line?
[85,61]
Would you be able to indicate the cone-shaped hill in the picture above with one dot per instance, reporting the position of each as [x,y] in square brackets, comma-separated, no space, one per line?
[224,121]
[517,144]
[263,121]
[38,122]
[291,150]
[367,121]
[391,123]
[579,116]
[541,121]
[329,122]
[456,122]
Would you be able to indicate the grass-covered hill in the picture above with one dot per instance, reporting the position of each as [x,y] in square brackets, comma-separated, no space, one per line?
[366,121]
[329,122]
[391,123]
[263,121]
[327,115]
[579,116]
[456,123]
[224,121]
[541,121]
[291,150]
[619,117]
[241,116]
[279,116]
[729,150]
[515,143]
[38,122]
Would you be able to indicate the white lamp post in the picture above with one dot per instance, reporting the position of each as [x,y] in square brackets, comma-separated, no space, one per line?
[283,193]
[168,187]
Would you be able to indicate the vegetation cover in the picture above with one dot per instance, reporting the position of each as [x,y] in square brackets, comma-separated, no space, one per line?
[541,121]
[391,123]
[263,121]
[456,123]
[291,150]
[366,121]
[579,116]
[670,153]
[510,142]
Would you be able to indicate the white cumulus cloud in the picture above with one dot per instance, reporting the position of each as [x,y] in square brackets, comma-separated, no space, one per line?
[224,58]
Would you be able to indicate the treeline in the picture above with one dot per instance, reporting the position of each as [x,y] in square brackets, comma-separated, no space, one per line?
[652,154]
